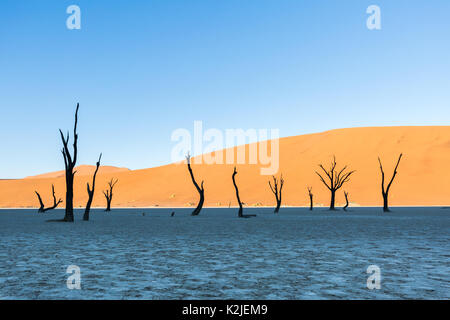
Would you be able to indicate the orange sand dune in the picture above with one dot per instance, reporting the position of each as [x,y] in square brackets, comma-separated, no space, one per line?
[422,178]
[83,170]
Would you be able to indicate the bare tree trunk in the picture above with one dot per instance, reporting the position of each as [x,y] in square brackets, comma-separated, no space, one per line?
[385,192]
[108,200]
[70,163]
[69,198]
[385,203]
[88,206]
[240,212]
[333,199]
[346,200]
[240,215]
[277,191]
[277,209]
[41,208]
[108,205]
[310,198]
[91,192]
[199,207]
[200,190]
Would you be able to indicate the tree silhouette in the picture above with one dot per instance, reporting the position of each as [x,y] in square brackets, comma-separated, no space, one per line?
[276,189]
[55,203]
[336,179]
[346,200]
[91,191]
[109,194]
[201,190]
[69,163]
[385,192]
[310,198]
[240,213]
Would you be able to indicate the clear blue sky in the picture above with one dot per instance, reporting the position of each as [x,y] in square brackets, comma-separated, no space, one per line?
[141,69]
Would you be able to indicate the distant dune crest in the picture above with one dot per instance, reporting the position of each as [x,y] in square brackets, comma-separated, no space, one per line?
[83,170]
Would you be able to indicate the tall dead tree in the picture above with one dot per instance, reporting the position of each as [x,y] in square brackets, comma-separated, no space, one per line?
[200,189]
[55,203]
[109,194]
[385,192]
[310,198]
[70,162]
[346,200]
[336,179]
[240,212]
[91,191]
[277,189]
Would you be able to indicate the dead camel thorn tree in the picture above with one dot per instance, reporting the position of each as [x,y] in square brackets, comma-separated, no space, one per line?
[240,212]
[109,194]
[55,203]
[277,189]
[310,198]
[336,179]
[70,162]
[91,191]
[346,200]
[200,189]
[385,192]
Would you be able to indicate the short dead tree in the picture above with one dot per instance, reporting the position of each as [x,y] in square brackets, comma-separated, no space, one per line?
[336,179]
[310,198]
[240,212]
[91,192]
[277,189]
[200,189]
[385,192]
[346,200]
[41,203]
[109,194]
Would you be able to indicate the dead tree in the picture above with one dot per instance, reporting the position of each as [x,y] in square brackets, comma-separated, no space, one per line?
[109,194]
[310,198]
[336,179]
[200,189]
[70,162]
[277,189]
[91,191]
[346,200]
[385,192]
[240,213]
[55,203]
